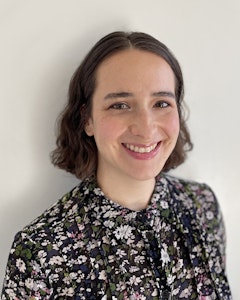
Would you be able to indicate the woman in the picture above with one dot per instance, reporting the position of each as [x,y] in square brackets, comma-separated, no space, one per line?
[129,230]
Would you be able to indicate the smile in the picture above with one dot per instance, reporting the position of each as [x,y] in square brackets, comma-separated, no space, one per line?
[140,149]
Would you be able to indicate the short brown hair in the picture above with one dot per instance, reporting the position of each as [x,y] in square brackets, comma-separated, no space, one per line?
[76,152]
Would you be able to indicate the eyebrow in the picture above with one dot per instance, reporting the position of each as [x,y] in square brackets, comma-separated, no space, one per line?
[126,95]
[118,95]
[164,94]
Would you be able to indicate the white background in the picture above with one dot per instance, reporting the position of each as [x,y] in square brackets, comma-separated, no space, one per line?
[41,44]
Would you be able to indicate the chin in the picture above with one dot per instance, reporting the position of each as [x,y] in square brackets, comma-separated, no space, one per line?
[143,176]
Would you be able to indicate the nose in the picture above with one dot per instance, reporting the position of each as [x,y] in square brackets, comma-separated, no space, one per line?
[143,124]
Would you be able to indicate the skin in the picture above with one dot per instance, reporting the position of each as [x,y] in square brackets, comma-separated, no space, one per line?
[135,124]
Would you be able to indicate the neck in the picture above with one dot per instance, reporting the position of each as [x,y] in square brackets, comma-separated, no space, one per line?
[128,192]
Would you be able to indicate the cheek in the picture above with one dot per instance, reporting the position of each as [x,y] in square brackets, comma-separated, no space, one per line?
[107,130]
[176,125]
[173,125]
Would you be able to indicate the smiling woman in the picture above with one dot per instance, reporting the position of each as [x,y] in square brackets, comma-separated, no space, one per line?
[135,97]
[128,230]
[82,156]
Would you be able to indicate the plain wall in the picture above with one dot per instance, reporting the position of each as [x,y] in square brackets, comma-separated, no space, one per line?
[42,43]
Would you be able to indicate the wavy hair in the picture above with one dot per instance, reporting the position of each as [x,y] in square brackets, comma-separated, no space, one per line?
[76,152]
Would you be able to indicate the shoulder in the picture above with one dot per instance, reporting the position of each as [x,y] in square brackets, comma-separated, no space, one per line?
[199,213]
[199,201]
[44,250]
[58,220]
[200,193]
[184,184]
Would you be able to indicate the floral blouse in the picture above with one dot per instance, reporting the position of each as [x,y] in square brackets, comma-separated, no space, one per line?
[88,247]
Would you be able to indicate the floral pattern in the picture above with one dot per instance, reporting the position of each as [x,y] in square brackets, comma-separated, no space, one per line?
[88,247]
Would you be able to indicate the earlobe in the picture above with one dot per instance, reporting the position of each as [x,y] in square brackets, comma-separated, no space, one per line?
[89,128]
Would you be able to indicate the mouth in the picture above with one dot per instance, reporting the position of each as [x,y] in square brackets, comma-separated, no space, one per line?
[141,149]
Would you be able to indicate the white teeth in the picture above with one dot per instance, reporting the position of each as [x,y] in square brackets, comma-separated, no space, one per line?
[141,149]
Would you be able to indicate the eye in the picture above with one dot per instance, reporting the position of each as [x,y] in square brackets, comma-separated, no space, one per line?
[119,106]
[161,104]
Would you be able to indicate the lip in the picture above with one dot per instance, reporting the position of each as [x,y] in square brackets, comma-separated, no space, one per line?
[145,155]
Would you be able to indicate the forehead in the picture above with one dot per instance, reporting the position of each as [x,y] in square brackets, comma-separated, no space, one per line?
[134,66]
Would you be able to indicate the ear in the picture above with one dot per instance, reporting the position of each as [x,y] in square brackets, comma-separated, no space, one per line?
[89,127]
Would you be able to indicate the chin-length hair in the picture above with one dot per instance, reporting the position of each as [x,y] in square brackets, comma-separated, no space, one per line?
[76,152]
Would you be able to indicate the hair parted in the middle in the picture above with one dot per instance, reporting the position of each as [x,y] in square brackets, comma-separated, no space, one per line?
[76,152]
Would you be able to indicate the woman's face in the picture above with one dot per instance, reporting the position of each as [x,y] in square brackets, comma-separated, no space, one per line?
[134,117]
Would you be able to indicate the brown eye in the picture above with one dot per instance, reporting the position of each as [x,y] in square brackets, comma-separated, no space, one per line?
[119,106]
[161,104]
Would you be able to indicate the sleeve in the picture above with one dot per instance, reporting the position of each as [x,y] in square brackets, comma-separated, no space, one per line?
[213,224]
[24,278]
[214,238]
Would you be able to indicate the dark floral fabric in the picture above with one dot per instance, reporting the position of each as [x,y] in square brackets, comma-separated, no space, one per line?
[88,247]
